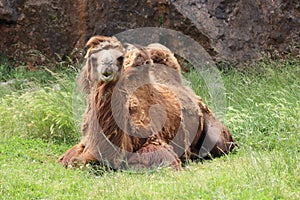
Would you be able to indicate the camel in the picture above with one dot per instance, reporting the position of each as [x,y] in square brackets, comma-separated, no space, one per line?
[139,114]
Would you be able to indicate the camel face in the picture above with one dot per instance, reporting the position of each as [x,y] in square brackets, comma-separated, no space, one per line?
[106,64]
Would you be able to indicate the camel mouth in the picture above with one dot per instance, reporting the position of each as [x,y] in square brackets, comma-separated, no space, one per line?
[106,77]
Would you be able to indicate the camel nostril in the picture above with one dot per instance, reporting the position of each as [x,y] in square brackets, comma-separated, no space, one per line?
[107,72]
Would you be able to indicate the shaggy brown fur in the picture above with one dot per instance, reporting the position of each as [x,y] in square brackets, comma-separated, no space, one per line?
[212,138]
[158,119]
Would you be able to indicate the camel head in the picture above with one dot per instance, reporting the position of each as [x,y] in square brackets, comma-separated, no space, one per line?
[104,59]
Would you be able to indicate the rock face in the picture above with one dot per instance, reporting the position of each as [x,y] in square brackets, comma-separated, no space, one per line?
[232,31]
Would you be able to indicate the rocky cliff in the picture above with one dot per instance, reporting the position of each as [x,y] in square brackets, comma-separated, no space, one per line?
[231,31]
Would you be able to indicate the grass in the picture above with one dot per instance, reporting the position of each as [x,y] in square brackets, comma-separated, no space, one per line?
[37,125]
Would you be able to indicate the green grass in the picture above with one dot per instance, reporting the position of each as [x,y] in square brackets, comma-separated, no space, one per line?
[37,125]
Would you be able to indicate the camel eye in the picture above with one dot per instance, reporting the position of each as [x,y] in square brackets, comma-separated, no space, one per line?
[120,61]
[93,59]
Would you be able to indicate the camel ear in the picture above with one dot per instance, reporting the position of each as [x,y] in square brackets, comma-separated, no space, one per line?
[84,80]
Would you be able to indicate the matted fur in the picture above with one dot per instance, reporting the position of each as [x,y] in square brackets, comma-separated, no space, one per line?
[146,141]
[210,129]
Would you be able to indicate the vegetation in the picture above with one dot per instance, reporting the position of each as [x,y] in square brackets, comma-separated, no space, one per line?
[39,121]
